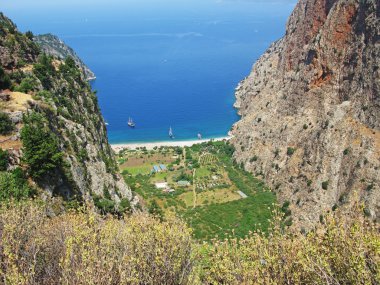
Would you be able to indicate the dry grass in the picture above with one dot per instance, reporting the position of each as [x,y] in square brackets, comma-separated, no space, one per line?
[83,248]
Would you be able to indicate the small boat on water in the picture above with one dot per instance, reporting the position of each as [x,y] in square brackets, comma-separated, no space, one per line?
[199,136]
[106,123]
[171,135]
[131,123]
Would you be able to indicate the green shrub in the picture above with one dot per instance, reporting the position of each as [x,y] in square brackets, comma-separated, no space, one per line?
[125,206]
[325,185]
[5,82]
[105,206]
[44,69]
[346,151]
[254,158]
[13,185]
[6,124]
[3,160]
[27,84]
[290,151]
[41,148]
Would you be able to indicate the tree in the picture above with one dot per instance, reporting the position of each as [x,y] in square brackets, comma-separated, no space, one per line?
[3,160]
[155,210]
[29,35]
[5,82]
[6,124]
[13,185]
[41,148]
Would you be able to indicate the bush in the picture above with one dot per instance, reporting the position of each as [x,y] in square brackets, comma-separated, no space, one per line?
[106,206]
[27,84]
[13,185]
[41,148]
[84,248]
[339,251]
[6,124]
[254,158]
[5,82]
[3,160]
[290,151]
[44,69]
[325,185]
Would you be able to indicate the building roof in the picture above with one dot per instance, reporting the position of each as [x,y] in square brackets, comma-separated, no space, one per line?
[161,185]
[183,183]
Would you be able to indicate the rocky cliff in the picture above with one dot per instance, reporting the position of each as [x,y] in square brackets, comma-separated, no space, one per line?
[311,110]
[52,45]
[68,118]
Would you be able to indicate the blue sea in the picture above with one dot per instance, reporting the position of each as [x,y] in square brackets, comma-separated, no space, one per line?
[163,63]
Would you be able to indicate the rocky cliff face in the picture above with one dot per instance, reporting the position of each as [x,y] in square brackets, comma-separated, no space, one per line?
[52,45]
[57,90]
[311,110]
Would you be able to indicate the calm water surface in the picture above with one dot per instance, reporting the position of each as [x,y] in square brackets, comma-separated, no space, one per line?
[163,63]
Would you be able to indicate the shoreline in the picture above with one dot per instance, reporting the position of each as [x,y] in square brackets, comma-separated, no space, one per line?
[151,145]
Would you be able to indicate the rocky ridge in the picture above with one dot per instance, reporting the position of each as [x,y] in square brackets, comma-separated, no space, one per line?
[52,45]
[310,110]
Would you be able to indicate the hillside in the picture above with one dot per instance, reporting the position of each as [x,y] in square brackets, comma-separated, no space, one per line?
[310,110]
[52,45]
[52,128]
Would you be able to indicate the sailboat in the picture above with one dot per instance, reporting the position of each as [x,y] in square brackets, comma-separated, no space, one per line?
[131,123]
[171,135]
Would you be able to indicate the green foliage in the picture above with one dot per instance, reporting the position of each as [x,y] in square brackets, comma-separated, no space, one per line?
[41,148]
[106,206]
[184,177]
[13,185]
[106,193]
[325,185]
[155,210]
[290,151]
[125,206]
[5,82]
[44,70]
[254,158]
[6,124]
[27,84]
[3,159]
[29,35]
[346,151]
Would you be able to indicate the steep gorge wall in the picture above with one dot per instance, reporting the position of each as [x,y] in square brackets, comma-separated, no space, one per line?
[311,109]
[59,92]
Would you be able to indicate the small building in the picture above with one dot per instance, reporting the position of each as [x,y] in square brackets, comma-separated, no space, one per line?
[156,169]
[183,183]
[168,190]
[163,167]
[161,185]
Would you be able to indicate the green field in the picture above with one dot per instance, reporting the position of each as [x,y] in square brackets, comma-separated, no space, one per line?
[219,210]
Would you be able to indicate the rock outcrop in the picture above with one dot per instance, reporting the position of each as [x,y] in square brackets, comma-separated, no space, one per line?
[311,110]
[58,90]
[52,45]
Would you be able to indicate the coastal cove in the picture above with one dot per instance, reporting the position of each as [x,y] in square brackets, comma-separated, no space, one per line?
[175,65]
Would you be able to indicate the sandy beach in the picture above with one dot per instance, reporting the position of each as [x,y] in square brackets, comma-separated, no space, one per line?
[173,143]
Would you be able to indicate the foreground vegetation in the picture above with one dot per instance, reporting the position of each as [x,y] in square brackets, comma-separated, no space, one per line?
[84,248]
[210,204]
